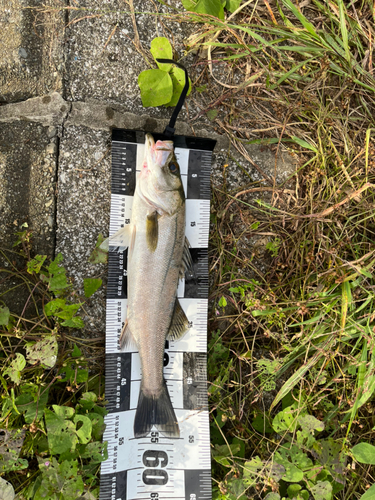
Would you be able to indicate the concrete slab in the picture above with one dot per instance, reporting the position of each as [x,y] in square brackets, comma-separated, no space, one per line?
[28,153]
[83,204]
[31,56]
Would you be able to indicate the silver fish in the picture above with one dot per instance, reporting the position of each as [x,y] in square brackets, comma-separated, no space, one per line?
[158,256]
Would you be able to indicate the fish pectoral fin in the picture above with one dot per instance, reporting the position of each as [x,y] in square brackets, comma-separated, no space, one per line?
[152,231]
[187,261]
[179,324]
[126,338]
[118,241]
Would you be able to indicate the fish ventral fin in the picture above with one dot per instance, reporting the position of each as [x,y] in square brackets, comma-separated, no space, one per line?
[179,323]
[152,231]
[118,241]
[157,411]
[187,261]
[126,338]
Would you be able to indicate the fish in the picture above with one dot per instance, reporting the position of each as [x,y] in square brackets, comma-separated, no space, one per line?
[158,256]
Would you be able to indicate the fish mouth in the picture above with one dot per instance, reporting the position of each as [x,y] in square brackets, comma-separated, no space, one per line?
[157,153]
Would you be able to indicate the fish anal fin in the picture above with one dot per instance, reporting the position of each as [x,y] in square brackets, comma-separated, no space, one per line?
[152,231]
[187,261]
[126,338]
[179,323]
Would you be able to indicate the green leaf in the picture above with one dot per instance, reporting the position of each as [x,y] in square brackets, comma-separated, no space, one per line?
[4,316]
[98,255]
[60,432]
[43,352]
[91,285]
[262,423]
[364,453]
[256,468]
[178,80]
[232,5]
[212,114]
[32,401]
[6,490]
[286,420]
[68,311]
[222,302]
[322,491]
[77,353]
[306,24]
[98,426]
[272,496]
[75,322]
[293,490]
[34,265]
[304,144]
[162,49]
[83,431]
[156,87]
[223,454]
[370,494]
[189,5]
[15,368]
[59,481]
[57,275]
[292,473]
[211,7]
[64,412]
[88,400]
[96,452]
[310,424]
[53,306]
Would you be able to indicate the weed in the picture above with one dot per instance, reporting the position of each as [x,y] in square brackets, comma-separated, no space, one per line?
[51,413]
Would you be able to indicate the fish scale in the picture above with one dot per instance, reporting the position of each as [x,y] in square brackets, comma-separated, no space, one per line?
[156,466]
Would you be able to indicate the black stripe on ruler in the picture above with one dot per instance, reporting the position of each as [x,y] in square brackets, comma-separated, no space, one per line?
[198,484]
[195,381]
[117,381]
[117,286]
[180,141]
[113,486]
[199,171]
[196,282]
[124,158]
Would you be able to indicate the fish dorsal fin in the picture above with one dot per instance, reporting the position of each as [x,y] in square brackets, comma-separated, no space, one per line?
[187,261]
[179,323]
[152,231]
[126,338]
[118,241]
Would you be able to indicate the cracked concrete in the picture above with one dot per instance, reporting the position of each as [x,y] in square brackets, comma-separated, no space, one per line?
[67,77]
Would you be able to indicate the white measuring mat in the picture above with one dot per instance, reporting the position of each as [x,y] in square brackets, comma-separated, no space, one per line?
[156,467]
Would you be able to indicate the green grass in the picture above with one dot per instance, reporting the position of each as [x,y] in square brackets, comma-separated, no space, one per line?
[303,335]
[51,408]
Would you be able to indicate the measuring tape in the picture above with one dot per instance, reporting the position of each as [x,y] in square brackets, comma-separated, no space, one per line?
[156,467]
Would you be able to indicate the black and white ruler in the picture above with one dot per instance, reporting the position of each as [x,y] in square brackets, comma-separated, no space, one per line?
[156,467]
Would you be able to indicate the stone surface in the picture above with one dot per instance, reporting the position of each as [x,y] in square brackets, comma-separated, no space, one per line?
[48,110]
[31,55]
[83,205]
[27,195]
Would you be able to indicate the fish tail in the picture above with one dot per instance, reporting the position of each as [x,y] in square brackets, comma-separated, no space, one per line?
[158,412]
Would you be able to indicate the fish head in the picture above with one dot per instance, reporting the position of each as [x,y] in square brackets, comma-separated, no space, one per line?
[160,179]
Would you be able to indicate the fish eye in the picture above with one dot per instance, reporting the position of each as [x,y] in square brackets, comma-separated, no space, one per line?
[173,167]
